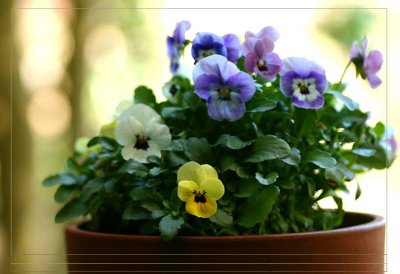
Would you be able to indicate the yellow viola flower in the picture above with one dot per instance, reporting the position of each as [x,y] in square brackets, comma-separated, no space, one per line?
[200,188]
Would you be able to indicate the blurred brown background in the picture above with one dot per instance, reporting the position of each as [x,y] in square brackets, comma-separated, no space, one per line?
[70,67]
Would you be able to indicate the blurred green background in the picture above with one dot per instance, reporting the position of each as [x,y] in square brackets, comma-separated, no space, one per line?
[63,71]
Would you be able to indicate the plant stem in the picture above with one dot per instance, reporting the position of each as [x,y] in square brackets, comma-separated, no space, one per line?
[344,72]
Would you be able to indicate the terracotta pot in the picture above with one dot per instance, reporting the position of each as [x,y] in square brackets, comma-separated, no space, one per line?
[356,247]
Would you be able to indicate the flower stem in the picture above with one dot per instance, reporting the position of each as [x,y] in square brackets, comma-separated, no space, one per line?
[344,72]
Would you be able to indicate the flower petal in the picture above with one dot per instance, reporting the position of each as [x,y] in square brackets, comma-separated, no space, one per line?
[206,84]
[143,113]
[159,134]
[127,129]
[179,32]
[232,45]
[214,188]
[202,210]
[374,81]
[186,190]
[192,171]
[210,171]
[244,83]
[373,62]
[317,103]
[301,66]
[215,64]
[287,82]
[231,110]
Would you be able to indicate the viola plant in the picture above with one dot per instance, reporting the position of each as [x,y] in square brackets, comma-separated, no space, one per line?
[250,144]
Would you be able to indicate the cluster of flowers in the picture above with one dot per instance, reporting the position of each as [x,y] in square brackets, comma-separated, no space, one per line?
[225,88]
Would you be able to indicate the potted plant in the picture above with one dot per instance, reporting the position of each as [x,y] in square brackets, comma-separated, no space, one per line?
[227,173]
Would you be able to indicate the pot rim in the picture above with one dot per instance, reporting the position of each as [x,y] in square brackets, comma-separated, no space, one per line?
[373,222]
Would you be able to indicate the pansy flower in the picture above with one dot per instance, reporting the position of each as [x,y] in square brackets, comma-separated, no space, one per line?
[206,44]
[262,61]
[142,132]
[259,57]
[304,81]
[223,86]
[176,44]
[200,188]
[367,66]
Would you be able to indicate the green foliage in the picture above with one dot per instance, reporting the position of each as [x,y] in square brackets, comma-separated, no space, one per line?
[257,207]
[276,163]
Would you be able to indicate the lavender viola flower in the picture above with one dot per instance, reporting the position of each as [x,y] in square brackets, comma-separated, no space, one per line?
[262,61]
[367,66]
[304,81]
[176,44]
[259,57]
[223,86]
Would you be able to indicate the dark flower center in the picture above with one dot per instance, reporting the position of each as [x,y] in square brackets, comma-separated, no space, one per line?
[224,94]
[141,142]
[206,53]
[173,90]
[261,65]
[199,197]
[304,90]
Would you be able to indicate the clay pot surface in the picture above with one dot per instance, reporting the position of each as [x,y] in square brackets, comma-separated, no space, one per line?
[356,247]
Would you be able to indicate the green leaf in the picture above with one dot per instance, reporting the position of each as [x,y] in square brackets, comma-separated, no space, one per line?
[256,209]
[174,112]
[155,214]
[350,104]
[379,129]
[267,147]
[358,192]
[294,157]
[145,96]
[232,142]
[248,188]
[365,152]
[305,121]
[222,218]
[145,194]
[169,226]
[135,168]
[268,180]
[60,179]
[339,173]
[198,149]
[91,187]
[320,158]
[259,103]
[133,212]
[380,160]
[71,210]
[105,142]
[64,193]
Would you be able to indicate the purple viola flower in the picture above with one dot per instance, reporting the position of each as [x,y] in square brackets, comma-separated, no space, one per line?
[176,44]
[206,44]
[232,45]
[367,66]
[304,81]
[259,57]
[262,61]
[224,87]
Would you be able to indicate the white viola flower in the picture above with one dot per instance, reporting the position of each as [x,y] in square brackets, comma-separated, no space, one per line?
[142,132]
